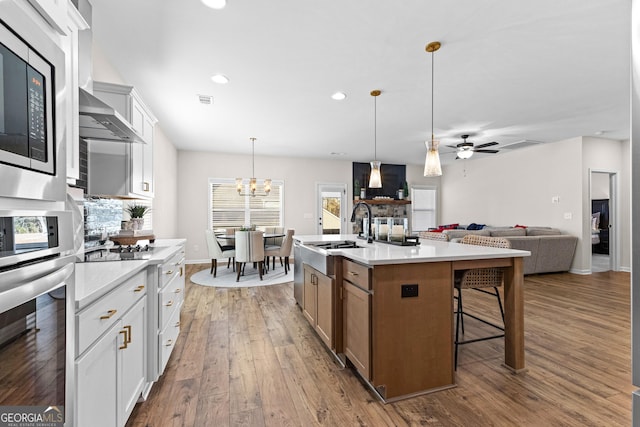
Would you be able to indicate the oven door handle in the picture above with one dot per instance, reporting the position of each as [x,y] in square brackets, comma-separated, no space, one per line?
[26,291]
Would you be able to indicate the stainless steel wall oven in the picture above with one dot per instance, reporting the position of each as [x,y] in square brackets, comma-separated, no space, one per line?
[36,267]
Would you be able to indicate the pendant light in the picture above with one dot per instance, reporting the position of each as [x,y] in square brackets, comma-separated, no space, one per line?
[375,180]
[253,182]
[432,162]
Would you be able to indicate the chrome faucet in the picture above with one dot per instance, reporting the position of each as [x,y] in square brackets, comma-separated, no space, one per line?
[369,217]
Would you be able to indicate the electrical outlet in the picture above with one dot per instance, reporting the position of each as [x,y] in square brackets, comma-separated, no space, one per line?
[196,248]
[568,215]
[409,291]
[555,199]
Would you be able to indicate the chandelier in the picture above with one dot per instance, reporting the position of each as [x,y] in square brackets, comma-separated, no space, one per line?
[253,182]
[432,162]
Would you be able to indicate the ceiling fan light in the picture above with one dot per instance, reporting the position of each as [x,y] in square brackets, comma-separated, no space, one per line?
[375,180]
[432,165]
[465,153]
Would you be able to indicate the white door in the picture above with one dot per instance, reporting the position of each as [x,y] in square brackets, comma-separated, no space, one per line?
[331,208]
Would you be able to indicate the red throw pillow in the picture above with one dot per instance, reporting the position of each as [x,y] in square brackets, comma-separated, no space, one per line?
[448,226]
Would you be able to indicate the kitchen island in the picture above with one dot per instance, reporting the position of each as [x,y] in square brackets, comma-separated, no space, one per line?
[387,310]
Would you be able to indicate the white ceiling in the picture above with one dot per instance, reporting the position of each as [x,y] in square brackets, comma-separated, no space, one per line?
[543,70]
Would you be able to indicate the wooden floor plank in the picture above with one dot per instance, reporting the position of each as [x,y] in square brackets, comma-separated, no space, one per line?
[247,357]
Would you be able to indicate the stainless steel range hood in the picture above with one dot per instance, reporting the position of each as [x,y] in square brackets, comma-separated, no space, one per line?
[101,122]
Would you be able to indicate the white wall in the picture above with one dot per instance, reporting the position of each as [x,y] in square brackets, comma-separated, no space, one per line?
[517,188]
[165,183]
[300,177]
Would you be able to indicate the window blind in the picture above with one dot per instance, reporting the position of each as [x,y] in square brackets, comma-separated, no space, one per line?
[228,209]
[423,208]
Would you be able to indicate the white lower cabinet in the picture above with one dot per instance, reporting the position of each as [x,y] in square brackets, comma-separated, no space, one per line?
[97,382]
[133,366]
[111,373]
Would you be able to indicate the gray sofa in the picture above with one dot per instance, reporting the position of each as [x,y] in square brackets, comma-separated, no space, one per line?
[551,251]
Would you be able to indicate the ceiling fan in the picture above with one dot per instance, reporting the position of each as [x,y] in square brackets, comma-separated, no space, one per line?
[466,149]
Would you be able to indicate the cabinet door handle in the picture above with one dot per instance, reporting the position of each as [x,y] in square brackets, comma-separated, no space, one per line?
[108,315]
[177,325]
[145,186]
[169,272]
[178,290]
[128,329]
[139,288]
[169,343]
[180,271]
[124,342]
[353,273]
[169,303]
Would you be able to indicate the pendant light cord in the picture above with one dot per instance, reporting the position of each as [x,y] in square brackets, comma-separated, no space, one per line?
[375,128]
[253,157]
[432,96]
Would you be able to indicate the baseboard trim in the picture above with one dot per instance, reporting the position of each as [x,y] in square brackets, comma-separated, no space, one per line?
[198,261]
[581,272]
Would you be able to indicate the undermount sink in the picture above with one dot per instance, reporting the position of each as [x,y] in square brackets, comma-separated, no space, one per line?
[345,244]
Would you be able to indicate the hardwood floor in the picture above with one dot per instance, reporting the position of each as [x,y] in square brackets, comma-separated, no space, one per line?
[247,357]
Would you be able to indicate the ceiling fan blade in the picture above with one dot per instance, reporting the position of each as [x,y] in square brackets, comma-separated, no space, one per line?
[453,146]
[487,151]
[488,144]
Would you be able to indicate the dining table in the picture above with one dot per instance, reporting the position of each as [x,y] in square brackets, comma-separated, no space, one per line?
[265,236]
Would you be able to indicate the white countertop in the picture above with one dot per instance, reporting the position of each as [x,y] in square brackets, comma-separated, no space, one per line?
[428,251]
[95,279]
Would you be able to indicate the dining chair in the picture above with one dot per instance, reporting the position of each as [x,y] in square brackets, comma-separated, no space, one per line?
[282,251]
[249,248]
[479,279]
[431,235]
[217,251]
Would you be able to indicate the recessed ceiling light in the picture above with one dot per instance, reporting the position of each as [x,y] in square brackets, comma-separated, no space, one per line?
[215,4]
[334,153]
[600,132]
[339,96]
[220,79]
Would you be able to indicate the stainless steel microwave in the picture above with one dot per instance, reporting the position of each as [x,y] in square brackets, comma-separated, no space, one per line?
[26,106]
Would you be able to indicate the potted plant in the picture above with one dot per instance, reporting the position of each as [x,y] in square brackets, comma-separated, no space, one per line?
[356,189]
[136,213]
[406,190]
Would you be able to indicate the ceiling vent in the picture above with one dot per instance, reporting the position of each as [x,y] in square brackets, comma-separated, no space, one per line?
[521,144]
[205,99]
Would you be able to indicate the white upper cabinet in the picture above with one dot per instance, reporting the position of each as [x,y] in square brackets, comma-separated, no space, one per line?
[124,169]
[73,25]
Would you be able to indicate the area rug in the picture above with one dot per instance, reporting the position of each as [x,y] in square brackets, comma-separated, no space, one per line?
[226,277]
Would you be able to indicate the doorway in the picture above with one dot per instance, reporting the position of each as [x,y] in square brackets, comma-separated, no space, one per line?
[331,207]
[602,192]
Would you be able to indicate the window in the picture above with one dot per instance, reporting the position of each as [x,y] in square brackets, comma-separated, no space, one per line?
[423,208]
[228,209]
